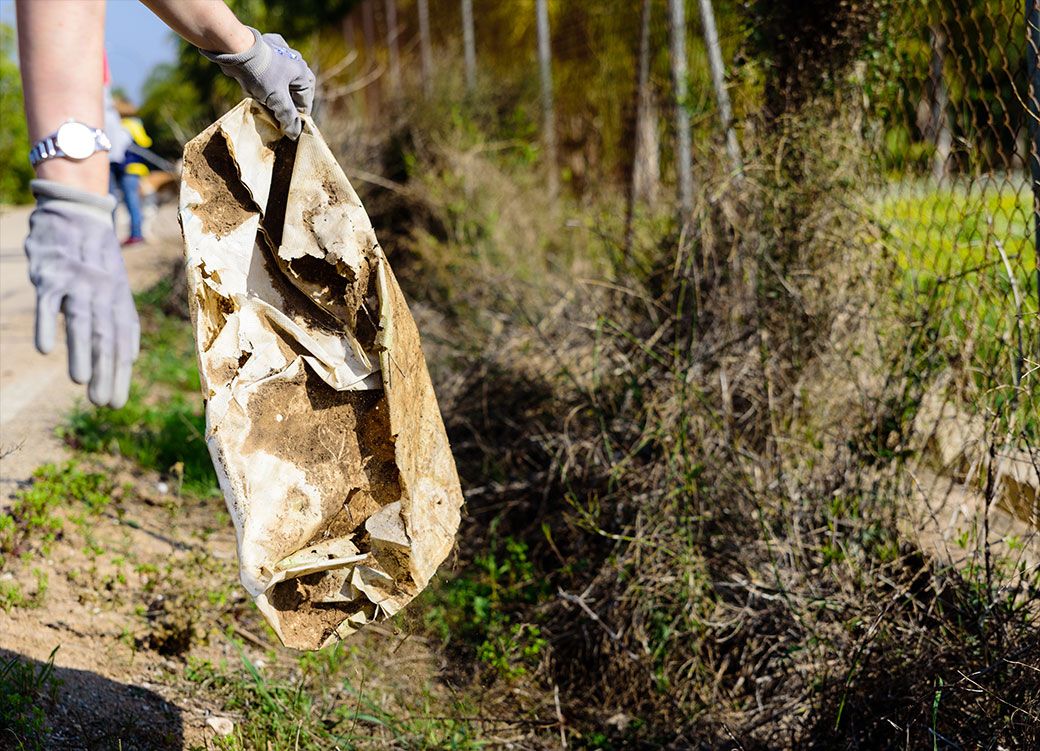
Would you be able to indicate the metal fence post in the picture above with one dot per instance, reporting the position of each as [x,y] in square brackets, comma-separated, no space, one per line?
[469,42]
[684,148]
[1033,117]
[548,112]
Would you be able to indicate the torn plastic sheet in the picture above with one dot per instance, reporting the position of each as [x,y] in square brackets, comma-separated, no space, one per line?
[320,415]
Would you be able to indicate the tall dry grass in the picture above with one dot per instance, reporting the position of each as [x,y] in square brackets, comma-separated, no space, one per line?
[707,449]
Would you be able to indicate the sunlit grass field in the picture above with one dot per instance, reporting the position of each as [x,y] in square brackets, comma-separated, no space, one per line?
[968,261]
[960,228]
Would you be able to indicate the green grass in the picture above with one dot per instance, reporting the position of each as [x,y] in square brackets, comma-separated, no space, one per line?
[317,707]
[968,259]
[34,520]
[24,687]
[952,229]
[163,425]
[31,520]
[477,609]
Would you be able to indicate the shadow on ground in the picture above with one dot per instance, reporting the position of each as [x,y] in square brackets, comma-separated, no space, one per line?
[87,712]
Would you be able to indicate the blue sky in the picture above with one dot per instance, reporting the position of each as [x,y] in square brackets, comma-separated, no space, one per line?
[135,39]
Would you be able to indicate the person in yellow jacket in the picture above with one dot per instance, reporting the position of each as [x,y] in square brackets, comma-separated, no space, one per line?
[127,174]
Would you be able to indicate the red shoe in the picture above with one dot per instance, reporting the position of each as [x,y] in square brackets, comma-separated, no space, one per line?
[132,241]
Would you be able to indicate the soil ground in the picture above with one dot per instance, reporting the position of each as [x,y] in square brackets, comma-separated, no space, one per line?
[104,685]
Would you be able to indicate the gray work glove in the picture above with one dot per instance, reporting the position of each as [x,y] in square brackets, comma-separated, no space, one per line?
[275,75]
[77,268]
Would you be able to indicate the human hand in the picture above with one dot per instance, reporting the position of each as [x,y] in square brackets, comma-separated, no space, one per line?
[275,75]
[76,266]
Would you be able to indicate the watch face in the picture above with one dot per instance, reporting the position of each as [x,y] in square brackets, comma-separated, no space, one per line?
[76,140]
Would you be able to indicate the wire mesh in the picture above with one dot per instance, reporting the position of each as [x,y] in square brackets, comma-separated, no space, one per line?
[958,207]
[952,115]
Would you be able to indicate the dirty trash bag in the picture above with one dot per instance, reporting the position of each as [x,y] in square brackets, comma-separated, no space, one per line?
[320,415]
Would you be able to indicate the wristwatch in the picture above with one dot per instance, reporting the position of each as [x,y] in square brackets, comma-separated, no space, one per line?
[73,140]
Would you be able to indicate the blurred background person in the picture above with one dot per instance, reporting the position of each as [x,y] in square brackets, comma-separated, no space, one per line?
[126,174]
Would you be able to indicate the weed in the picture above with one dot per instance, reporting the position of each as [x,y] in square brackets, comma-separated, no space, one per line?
[167,437]
[186,598]
[319,709]
[24,688]
[478,607]
[32,519]
[13,596]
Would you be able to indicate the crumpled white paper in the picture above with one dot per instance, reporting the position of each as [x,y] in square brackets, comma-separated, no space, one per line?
[321,418]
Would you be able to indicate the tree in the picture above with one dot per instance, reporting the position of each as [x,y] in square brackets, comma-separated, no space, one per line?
[646,163]
[718,80]
[425,50]
[15,171]
[392,47]
[939,125]
[172,110]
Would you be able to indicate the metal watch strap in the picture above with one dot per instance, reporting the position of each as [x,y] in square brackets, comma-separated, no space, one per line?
[47,147]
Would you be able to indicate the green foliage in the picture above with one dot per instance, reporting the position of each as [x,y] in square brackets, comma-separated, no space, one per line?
[320,708]
[172,110]
[24,688]
[807,46]
[13,596]
[32,516]
[966,249]
[163,426]
[983,75]
[15,171]
[479,608]
[167,437]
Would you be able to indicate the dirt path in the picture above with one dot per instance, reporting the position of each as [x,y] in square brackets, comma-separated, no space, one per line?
[92,597]
[35,391]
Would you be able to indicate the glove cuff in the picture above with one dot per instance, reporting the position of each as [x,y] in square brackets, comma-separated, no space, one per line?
[91,204]
[254,61]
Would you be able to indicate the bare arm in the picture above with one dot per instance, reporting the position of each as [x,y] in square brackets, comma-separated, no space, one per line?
[269,71]
[208,24]
[61,58]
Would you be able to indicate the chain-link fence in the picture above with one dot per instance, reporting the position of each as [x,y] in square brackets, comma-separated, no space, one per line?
[636,92]
[953,111]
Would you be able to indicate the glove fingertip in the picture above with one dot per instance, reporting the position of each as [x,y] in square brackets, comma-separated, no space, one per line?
[120,398]
[44,342]
[121,384]
[98,395]
[45,328]
[99,390]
